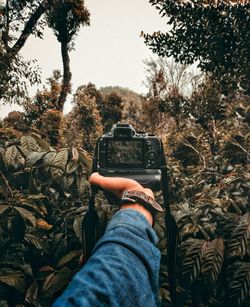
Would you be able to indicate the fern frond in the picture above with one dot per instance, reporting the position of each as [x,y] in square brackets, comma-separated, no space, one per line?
[238,244]
[212,261]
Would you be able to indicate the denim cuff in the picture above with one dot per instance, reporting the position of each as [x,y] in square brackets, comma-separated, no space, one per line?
[134,221]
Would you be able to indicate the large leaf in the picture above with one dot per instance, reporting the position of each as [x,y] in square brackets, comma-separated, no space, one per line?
[48,157]
[31,294]
[40,223]
[212,261]
[41,142]
[33,157]
[16,281]
[239,284]
[10,155]
[56,281]
[82,184]
[86,159]
[77,225]
[240,239]
[3,208]
[29,143]
[30,206]
[59,164]
[191,262]
[27,215]
[5,188]
[68,181]
[67,258]
[36,241]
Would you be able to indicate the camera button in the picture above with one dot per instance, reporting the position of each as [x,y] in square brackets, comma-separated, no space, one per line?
[151,154]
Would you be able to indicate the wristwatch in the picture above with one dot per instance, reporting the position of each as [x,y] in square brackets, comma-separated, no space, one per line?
[139,197]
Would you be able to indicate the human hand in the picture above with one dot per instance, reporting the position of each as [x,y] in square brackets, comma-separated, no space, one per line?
[117,185]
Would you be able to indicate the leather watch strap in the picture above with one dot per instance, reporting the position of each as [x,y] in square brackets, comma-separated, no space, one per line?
[134,196]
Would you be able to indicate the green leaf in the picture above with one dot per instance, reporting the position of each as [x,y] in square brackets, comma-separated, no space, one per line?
[77,225]
[29,143]
[3,208]
[68,181]
[41,142]
[56,281]
[59,164]
[16,281]
[10,155]
[33,157]
[35,241]
[31,294]
[27,215]
[67,258]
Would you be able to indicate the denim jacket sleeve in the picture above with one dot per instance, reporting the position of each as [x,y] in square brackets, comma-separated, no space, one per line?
[123,269]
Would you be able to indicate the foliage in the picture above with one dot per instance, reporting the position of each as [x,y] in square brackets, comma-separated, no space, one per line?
[111,110]
[84,121]
[65,18]
[132,104]
[25,18]
[207,102]
[170,85]
[215,34]
[210,202]
[50,126]
[44,100]
[16,120]
[41,194]
[44,192]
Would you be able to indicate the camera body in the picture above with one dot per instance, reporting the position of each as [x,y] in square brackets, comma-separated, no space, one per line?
[123,152]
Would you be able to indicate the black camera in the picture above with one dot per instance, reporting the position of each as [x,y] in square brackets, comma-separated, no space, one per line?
[123,152]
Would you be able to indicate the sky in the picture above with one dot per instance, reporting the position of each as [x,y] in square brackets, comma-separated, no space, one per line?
[110,52]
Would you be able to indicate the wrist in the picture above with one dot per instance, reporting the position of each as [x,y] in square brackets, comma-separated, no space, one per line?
[141,209]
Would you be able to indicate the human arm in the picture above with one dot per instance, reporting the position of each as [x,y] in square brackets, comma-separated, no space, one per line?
[117,185]
[123,269]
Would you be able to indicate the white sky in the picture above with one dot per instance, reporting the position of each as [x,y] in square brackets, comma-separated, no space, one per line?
[110,52]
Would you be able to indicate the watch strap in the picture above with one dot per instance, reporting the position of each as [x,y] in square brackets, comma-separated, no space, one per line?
[134,196]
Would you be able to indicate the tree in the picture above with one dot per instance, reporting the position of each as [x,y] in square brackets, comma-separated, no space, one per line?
[111,110]
[41,114]
[44,100]
[65,18]
[207,103]
[131,104]
[83,124]
[91,90]
[25,18]
[164,74]
[215,33]
[169,83]
[16,120]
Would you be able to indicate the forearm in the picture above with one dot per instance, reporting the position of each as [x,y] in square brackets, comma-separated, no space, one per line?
[123,269]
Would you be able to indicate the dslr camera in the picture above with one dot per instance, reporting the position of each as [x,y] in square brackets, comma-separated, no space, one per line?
[123,152]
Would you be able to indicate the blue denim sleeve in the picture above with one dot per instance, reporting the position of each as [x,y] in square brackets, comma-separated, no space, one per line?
[123,269]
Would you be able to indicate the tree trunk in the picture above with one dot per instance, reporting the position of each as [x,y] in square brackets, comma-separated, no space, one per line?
[31,23]
[66,76]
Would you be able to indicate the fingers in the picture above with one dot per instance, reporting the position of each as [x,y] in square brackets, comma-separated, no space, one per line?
[117,185]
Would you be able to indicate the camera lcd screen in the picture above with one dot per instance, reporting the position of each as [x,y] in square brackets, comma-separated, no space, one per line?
[125,154]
